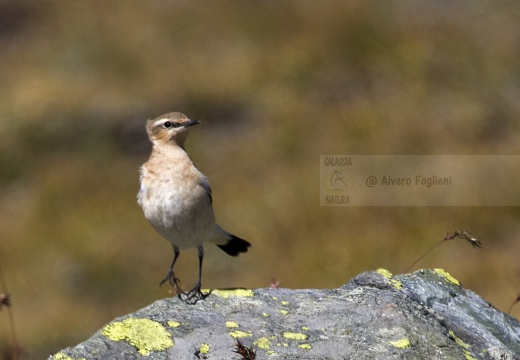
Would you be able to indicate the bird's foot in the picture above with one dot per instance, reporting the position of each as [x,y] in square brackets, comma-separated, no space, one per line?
[172,280]
[194,295]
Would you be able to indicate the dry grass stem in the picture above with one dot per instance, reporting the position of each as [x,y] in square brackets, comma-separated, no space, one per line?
[458,234]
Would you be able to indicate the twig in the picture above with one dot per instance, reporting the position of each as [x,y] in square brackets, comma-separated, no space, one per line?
[6,301]
[517,300]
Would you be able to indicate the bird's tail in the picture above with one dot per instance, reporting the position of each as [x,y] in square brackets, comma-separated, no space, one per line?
[235,246]
[232,245]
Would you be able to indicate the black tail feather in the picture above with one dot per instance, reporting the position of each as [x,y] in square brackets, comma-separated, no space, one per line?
[235,246]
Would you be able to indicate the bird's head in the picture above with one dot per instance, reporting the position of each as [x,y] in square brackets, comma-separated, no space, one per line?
[169,128]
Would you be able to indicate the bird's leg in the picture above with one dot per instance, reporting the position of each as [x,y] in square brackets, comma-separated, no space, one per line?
[170,277]
[194,295]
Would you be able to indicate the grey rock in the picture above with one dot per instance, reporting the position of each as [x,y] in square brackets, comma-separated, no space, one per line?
[423,315]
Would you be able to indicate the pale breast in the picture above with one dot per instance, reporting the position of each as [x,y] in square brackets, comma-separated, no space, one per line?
[176,203]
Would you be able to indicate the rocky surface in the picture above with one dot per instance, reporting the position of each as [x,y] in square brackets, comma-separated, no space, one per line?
[424,315]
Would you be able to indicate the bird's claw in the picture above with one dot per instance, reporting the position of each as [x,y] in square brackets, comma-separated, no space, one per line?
[194,295]
[171,279]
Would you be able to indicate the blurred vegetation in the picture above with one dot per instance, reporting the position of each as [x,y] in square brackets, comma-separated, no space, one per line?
[276,85]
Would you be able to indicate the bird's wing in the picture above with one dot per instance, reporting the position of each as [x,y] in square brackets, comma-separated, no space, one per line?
[205,184]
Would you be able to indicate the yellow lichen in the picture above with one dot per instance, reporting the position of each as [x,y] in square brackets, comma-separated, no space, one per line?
[447,276]
[174,324]
[265,315]
[239,334]
[204,348]
[387,274]
[305,328]
[231,324]
[458,340]
[465,347]
[144,334]
[284,312]
[396,283]
[62,356]
[401,344]
[226,294]
[284,303]
[294,336]
[262,343]
[305,346]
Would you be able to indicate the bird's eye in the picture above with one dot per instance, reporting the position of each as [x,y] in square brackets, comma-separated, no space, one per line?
[167,124]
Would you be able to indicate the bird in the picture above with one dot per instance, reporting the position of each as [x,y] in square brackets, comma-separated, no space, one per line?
[176,199]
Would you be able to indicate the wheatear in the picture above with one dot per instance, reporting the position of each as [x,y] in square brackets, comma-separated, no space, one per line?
[176,198]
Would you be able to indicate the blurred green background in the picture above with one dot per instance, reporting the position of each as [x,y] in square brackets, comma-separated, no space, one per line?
[276,84]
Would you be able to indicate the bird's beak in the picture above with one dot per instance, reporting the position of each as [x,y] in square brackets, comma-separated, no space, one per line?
[191,123]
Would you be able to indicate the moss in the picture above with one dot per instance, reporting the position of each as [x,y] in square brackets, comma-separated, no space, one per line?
[401,344]
[146,335]
[447,276]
